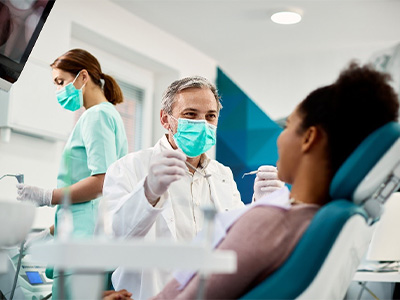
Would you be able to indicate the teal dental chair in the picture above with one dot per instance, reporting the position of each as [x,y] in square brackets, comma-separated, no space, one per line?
[327,256]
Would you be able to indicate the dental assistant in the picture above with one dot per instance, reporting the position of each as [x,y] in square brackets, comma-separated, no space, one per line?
[97,140]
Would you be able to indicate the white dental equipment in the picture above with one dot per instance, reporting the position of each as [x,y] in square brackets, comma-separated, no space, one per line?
[19,216]
[95,256]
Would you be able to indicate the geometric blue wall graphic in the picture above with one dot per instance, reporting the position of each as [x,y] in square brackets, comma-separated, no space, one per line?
[246,136]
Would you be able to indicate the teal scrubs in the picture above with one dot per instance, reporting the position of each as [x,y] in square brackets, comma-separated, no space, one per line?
[98,140]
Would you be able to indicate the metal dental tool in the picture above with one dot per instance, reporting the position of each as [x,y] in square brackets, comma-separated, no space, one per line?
[20,177]
[190,166]
[250,173]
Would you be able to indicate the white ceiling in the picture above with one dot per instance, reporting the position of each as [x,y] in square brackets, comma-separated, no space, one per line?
[239,35]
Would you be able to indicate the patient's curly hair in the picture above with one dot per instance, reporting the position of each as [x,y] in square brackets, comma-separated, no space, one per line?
[358,102]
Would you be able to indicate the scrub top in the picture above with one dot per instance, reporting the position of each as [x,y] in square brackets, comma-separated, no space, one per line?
[98,140]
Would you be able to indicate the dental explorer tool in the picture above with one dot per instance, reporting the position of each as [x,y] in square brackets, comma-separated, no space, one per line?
[250,173]
[190,166]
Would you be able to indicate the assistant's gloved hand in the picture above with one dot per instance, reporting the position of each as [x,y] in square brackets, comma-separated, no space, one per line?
[41,236]
[167,167]
[266,182]
[38,196]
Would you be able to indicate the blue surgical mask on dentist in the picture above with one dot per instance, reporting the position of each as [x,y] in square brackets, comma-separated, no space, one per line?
[194,137]
[70,97]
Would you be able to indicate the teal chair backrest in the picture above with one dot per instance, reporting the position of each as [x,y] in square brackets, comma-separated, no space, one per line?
[302,266]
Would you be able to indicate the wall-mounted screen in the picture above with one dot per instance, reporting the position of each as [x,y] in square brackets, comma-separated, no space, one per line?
[20,24]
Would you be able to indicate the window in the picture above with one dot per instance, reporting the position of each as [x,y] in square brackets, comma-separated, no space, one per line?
[131,111]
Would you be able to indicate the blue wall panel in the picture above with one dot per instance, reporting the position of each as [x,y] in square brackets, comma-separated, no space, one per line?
[246,136]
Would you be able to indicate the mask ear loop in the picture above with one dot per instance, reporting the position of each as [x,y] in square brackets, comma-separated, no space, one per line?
[170,129]
[76,77]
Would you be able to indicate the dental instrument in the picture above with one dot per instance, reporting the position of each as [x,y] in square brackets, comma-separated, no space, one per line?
[19,177]
[250,173]
[193,168]
[190,166]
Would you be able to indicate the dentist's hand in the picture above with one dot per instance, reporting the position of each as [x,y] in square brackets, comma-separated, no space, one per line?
[266,182]
[167,167]
[38,196]
[41,236]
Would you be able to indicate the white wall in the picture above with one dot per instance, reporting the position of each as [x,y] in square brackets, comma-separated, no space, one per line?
[108,27]
[290,77]
[164,58]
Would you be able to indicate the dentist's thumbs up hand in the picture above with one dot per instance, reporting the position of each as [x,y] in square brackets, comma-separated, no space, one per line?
[167,167]
[266,182]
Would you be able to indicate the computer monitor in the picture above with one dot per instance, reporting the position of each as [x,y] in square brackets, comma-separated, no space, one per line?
[20,25]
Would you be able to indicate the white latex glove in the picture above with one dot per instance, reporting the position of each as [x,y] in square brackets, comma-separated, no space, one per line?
[38,196]
[41,236]
[167,167]
[266,182]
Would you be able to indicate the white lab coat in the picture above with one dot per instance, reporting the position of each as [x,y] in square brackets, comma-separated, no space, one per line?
[133,216]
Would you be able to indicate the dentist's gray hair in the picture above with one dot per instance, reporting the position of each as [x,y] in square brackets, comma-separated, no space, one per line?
[169,96]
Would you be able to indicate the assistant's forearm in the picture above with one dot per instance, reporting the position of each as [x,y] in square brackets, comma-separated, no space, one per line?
[82,191]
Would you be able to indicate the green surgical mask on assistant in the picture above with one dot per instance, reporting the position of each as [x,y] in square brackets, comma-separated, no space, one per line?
[70,97]
[194,137]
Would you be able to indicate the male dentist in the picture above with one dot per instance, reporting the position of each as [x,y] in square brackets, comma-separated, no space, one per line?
[154,193]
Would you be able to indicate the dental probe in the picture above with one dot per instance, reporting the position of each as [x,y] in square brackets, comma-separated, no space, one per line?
[190,166]
[250,173]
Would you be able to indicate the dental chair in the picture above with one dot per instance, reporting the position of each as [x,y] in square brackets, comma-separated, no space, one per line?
[327,256]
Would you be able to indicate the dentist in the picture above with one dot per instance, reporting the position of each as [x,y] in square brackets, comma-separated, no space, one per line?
[155,194]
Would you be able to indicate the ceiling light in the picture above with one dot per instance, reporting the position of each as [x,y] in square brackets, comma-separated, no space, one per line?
[286,17]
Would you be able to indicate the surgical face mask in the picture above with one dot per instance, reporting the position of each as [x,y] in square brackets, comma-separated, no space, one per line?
[194,137]
[70,97]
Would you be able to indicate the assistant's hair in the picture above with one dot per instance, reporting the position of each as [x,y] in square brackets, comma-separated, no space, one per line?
[177,86]
[359,102]
[76,60]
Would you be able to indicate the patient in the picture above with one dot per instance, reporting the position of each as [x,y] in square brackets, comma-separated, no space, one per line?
[320,134]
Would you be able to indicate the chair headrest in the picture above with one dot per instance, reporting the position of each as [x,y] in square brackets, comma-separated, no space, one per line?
[369,165]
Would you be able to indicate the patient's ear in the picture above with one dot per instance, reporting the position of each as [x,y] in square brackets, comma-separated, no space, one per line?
[310,138]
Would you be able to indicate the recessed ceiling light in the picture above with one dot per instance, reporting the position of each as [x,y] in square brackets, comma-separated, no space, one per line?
[286,17]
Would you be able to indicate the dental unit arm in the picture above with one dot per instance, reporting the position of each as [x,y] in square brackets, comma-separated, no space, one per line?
[19,177]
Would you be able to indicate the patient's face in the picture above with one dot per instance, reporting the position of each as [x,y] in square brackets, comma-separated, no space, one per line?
[289,148]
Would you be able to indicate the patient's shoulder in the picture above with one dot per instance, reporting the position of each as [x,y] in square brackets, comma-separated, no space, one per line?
[275,224]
